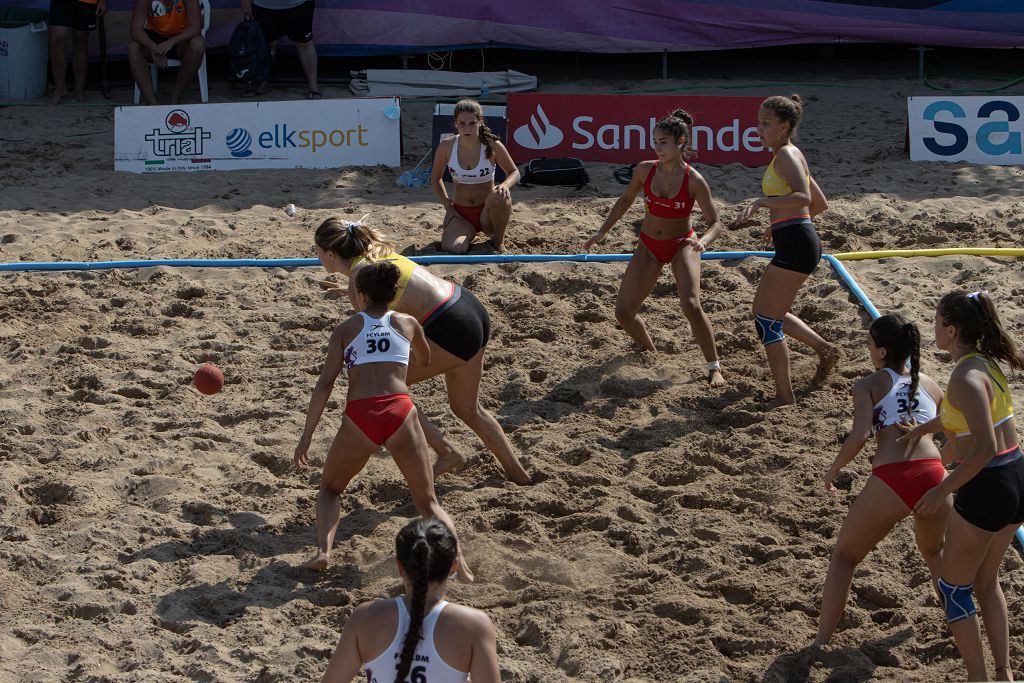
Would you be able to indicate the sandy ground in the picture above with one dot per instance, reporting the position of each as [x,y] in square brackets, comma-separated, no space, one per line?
[674,532]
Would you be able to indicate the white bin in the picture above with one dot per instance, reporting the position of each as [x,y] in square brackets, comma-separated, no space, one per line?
[24,49]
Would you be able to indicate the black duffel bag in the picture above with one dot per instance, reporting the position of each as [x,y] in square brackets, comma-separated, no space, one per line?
[562,171]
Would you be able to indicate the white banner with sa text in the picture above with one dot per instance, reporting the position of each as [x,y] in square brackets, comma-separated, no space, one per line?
[251,135]
[982,130]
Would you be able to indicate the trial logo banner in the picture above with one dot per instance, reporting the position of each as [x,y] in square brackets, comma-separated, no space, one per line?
[251,135]
[620,128]
[981,130]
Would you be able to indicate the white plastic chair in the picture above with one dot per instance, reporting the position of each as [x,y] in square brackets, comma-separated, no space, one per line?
[204,91]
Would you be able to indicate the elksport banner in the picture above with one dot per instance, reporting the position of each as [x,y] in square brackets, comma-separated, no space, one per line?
[619,128]
[249,135]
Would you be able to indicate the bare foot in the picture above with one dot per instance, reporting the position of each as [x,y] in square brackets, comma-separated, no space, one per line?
[780,401]
[317,563]
[515,473]
[56,95]
[498,248]
[827,359]
[716,379]
[450,461]
[464,575]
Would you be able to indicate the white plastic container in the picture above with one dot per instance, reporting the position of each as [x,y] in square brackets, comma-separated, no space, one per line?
[24,50]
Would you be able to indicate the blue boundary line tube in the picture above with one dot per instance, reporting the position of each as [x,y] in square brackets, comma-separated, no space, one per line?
[837,267]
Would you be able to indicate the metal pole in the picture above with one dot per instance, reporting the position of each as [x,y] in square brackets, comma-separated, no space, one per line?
[664,64]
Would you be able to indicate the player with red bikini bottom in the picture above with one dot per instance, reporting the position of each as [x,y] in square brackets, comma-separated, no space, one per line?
[375,346]
[671,187]
[891,396]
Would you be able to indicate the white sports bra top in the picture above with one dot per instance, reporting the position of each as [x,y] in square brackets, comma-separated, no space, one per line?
[483,173]
[427,664]
[893,406]
[377,342]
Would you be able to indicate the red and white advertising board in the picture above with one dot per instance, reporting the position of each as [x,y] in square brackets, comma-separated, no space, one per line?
[618,128]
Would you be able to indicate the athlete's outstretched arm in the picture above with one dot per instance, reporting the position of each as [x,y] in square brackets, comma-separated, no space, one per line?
[322,391]
[623,203]
[859,434]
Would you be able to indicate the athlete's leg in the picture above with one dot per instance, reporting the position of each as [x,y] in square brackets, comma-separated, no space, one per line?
[930,533]
[448,456]
[495,218]
[639,279]
[871,517]
[80,61]
[992,603]
[686,267]
[463,384]
[191,53]
[59,62]
[773,299]
[967,547]
[409,449]
[347,457]
[457,233]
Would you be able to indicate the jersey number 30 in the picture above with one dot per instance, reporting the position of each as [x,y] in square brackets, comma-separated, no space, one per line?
[375,345]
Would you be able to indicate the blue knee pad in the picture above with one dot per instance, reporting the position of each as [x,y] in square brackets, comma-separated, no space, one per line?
[768,329]
[958,601]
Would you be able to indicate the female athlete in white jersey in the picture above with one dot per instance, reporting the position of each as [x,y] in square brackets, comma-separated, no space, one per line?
[418,636]
[375,345]
[900,475]
[477,204]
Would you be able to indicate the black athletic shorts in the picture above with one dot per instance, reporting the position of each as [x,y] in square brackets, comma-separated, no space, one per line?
[75,14]
[294,22]
[159,38]
[994,498]
[797,246]
[460,325]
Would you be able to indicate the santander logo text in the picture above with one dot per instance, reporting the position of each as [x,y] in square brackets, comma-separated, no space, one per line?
[539,133]
[620,128]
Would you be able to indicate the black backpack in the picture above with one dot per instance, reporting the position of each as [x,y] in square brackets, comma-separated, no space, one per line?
[248,54]
[563,171]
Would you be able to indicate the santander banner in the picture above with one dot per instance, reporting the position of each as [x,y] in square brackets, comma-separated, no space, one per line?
[618,128]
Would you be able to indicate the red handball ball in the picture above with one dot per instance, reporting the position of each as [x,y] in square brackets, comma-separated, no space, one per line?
[209,379]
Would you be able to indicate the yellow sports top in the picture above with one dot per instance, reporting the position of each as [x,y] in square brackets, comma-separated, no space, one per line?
[405,268]
[774,185]
[1001,406]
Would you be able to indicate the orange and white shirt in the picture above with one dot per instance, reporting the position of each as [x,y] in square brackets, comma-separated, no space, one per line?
[167,17]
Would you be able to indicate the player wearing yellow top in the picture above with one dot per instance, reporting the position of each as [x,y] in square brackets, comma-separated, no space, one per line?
[792,198]
[988,483]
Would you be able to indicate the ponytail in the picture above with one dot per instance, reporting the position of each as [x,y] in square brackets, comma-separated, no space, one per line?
[350,239]
[913,341]
[978,325]
[419,574]
[427,550]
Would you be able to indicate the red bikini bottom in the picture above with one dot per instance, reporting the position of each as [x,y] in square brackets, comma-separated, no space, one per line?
[664,250]
[911,479]
[379,417]
[471,213]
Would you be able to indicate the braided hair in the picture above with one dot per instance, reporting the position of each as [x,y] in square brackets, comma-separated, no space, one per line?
[350,239]
[426,548]
[978,325]
[901,340]
[677,124]
[487,136]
